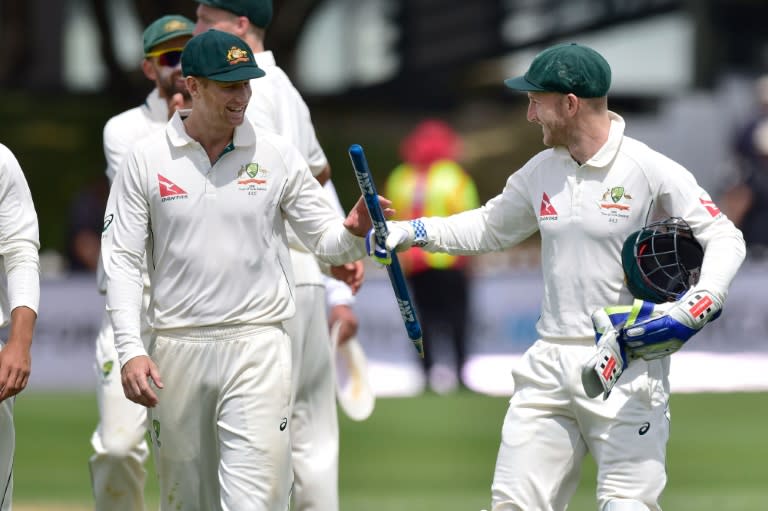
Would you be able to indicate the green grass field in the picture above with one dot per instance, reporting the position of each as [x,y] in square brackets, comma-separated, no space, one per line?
[427,453]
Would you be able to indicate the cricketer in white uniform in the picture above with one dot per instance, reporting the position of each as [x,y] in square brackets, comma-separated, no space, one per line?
[584,195]
[208,202]
[277,106]
[120,451]
[19,301]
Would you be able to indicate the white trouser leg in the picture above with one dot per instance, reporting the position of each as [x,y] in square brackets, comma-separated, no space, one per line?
[120,450]
[315,427]
[221,431]
[7,447]
[625,505]
[541,450]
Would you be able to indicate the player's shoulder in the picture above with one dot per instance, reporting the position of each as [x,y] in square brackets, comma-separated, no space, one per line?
[652,162]
[127,123]
[269,140]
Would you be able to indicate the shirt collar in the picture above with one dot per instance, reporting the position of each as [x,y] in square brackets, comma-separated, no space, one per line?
[178,136]
[265,59]
[606,154]
[157,106]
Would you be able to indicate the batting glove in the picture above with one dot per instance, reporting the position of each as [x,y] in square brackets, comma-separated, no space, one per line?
[669,326]
[603,369]
[400,236]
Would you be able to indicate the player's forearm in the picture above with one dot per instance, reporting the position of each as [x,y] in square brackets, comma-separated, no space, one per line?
[338,246]
[722,259]
[24,279]
[124,307]
[22,327]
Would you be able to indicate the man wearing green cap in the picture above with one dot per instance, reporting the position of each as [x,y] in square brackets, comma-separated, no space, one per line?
[278,107]
[585,194]
[208,201]
[120,451]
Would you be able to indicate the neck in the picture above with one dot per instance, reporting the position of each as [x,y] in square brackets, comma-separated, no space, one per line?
[213,139]
[589,138]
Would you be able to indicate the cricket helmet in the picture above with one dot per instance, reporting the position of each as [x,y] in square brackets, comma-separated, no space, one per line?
[662,260]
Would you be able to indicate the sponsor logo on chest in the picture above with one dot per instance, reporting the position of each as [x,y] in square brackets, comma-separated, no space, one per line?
[547,211]
[169,190]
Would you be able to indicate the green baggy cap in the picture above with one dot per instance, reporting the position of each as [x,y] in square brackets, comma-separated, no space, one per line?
[166,28]
[258,12]
[219,56]
[568,69]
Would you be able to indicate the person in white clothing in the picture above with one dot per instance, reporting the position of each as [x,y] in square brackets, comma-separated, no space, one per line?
[208,203]
[278,107]
[585,195]
[19,302]
[120,450]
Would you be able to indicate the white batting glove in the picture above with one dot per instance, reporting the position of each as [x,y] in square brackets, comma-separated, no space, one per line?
[400,236]
[603,369]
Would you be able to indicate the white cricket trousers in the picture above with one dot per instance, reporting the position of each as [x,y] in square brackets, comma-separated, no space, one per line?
[120,448]
[7,448]
[315,426]
[221,431]
[551,424]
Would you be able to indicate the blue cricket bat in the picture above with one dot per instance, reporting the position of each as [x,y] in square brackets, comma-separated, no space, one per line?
[404,302]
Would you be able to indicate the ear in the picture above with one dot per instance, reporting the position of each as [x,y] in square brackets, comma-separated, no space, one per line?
[241,26]
[572,103]
[149,70]
[193,86]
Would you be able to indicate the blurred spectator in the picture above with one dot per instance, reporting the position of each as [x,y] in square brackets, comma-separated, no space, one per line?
[746,202]
[86,217]
[430,182]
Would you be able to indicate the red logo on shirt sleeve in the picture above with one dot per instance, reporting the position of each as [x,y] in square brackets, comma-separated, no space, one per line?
[710,205]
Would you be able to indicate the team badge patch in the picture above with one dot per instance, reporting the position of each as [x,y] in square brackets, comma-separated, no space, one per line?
[236,55]
[615,203]
[252,177]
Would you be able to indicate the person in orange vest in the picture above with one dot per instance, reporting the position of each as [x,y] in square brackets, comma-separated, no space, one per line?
[430,182]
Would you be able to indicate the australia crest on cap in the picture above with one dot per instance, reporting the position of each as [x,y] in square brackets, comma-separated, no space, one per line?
[237,55]
[174,25]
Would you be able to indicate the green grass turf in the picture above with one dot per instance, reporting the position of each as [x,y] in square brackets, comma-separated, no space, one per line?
[430,453]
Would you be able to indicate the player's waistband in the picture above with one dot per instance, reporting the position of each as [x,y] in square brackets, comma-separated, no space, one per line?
[217,332]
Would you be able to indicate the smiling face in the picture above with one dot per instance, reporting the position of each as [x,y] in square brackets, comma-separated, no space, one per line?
[548,109]
[221,104]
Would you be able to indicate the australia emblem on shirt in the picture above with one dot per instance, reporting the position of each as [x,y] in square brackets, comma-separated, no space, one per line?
[252,177]
[615,202]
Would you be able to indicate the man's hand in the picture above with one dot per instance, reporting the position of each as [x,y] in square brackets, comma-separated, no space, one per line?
[351,274]
[347,319]
[358,220]
[400,236]
[15,358]
[15,364]
[135,377]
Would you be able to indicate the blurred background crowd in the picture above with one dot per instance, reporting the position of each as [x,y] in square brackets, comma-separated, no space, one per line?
[686,77]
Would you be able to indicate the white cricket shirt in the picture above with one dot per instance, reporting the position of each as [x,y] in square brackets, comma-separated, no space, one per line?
[19,240]
[276,106]
[215,235]
[120,133]
[584,213]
